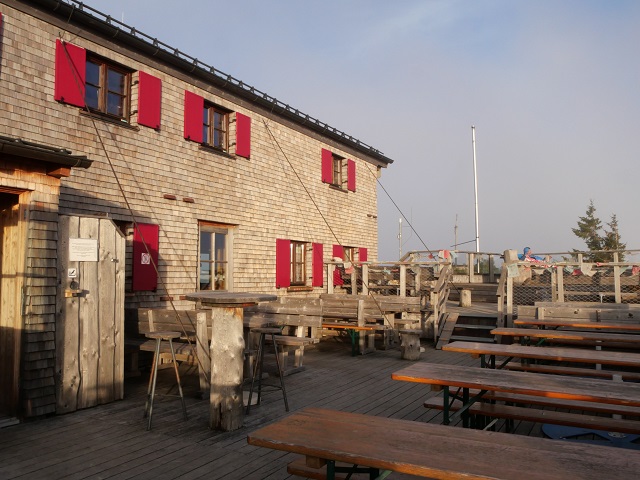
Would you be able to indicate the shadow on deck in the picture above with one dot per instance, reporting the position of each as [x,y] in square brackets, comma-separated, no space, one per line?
[111,441]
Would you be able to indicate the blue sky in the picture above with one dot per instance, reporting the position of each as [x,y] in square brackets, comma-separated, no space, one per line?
[552,87]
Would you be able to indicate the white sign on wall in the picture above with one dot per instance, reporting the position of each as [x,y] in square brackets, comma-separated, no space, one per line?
[83,250]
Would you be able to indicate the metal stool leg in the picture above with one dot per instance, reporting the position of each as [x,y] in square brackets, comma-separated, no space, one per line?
[175,367]
[257,367]
[280,373]
[151,389]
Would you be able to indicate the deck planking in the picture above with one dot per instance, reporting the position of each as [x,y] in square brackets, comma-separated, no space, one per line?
[110,441]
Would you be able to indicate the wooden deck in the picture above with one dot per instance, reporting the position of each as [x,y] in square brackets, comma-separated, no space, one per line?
[111,441]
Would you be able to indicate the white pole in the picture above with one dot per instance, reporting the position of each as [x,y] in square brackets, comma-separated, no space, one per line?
[475,184]
[399,238]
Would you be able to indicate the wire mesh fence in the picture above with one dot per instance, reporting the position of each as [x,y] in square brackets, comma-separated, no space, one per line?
[574,277]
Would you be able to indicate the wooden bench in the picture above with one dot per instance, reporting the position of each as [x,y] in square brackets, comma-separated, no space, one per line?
[577,371]
[594,312]
[388,311]
[536,415]
[577,337]
[614,327]
[300,319]
[379,444]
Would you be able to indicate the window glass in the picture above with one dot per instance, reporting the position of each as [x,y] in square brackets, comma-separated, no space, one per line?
[107,88]
[92,85]
[215,127]
[213,269]
[298,263]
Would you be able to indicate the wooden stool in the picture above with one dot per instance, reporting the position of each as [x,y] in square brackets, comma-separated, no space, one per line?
[259,361]
[151,390]
[410,346]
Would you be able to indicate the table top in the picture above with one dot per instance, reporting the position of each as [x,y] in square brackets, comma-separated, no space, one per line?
[218,299]
[559,354]
[438,451]
[568,335]
[527,383]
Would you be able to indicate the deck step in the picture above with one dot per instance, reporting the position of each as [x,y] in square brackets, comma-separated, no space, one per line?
[475,327]
[468,338]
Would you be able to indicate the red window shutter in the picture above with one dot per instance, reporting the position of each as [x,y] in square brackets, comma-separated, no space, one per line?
[149,100]
[362,254]
[327,166]
[71,64]
[338,252]
[243,135]
[283,263]
[351,175]
[193,108]
[318,270]
[145,259]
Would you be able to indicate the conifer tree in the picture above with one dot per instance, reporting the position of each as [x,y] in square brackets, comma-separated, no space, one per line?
[589,229]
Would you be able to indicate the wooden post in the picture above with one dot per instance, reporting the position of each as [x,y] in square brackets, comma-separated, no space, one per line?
[560,283]
[410,346]
[403,281]
[509,313]
[492,276]
[227,350]
[465,297]
[616,279]
[204,362]
[365,279]
[330,269]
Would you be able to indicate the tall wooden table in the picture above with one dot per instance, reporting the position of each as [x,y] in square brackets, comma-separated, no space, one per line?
[227,353]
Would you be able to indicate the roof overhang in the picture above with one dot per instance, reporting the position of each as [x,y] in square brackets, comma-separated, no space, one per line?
[57,157]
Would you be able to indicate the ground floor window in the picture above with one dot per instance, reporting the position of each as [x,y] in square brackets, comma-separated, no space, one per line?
[214,271]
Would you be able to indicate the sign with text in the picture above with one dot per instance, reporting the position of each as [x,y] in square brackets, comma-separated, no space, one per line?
[83,250]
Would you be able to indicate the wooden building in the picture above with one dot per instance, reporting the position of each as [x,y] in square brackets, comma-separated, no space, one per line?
[132,174]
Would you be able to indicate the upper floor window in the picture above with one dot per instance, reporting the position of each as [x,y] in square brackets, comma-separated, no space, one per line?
[215,127]
[86,80]
[338,171]
[107,88]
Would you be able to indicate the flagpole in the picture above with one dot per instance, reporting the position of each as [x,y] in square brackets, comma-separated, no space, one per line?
[475,184]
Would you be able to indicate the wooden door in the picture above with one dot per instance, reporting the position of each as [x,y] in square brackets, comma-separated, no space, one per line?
[90,313]
[13,247]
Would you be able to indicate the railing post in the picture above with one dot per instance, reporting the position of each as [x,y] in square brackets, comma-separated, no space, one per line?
[354,280]
[365,279]
[472,261]
[403,281]
[330,269]
[616,279]
[509,313]
[560,283]
[492,276]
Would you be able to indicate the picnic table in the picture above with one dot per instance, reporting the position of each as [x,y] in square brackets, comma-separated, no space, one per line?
[557,354]
[227,353]
[535,384]
[577,324]
[377,445]
[599,338]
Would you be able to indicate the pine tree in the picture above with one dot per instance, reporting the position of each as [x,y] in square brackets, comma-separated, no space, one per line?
[588,228]
[611,240]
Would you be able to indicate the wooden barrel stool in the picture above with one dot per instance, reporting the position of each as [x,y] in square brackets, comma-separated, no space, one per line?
[410,345]
[259,362]
[151,390]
